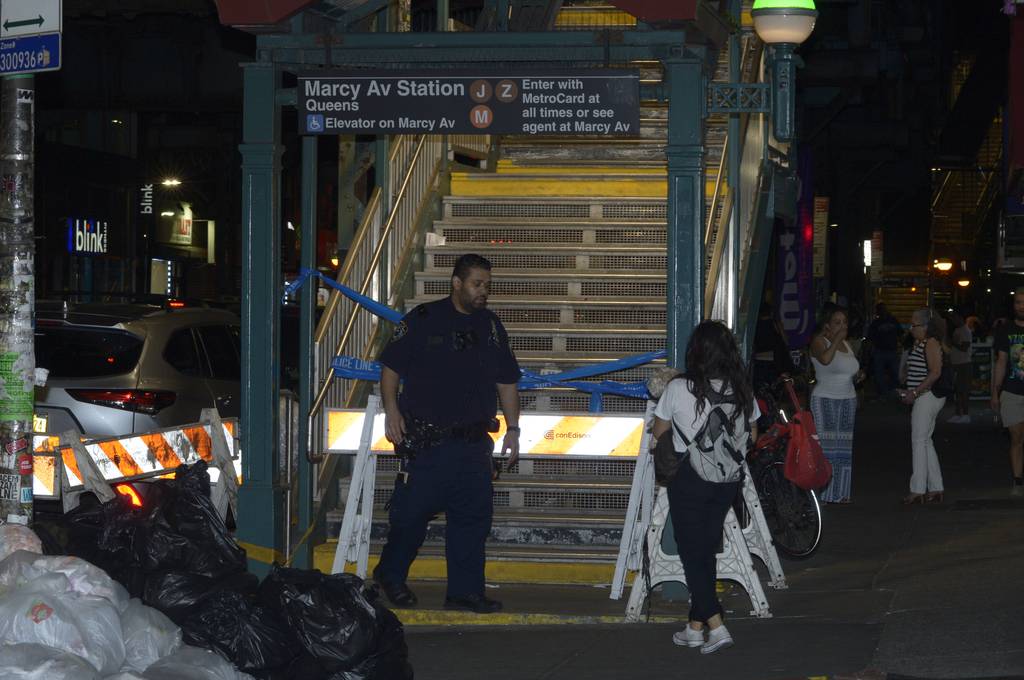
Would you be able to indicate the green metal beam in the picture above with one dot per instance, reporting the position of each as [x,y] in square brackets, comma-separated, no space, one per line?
[260,499]
[685,153]
[408,50]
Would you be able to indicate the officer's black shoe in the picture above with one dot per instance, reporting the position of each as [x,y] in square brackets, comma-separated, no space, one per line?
[473,603]
[398,594]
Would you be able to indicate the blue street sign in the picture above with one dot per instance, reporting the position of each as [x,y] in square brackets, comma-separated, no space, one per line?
[30,53]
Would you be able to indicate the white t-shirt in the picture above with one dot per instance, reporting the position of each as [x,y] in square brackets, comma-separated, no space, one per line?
[678,405]
[835,380]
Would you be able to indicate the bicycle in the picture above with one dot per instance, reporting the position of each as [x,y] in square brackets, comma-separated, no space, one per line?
[793,514]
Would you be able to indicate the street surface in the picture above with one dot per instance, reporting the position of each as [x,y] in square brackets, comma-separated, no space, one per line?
[933,591]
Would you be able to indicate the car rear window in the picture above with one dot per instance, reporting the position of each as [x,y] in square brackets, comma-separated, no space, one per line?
[85,352]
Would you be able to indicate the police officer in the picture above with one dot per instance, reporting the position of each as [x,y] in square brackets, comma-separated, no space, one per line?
[453,358]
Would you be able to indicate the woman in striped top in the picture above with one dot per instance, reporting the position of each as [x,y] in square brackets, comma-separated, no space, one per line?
[924,366]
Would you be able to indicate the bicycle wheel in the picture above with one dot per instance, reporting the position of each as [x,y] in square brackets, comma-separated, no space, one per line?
[793,514]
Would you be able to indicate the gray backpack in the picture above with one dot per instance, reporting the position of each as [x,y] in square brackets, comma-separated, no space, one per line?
[719,447]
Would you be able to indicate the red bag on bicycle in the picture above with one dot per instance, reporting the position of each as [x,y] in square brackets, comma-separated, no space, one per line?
[806,465]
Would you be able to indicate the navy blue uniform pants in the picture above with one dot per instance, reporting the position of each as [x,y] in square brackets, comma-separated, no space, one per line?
[454,478]
[698,509]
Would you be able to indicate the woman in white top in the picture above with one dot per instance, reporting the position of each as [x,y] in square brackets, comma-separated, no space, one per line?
[834,400]
[698,507]
[924,367]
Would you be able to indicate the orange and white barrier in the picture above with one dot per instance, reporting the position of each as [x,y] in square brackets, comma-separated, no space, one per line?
[129,457]
[540,435]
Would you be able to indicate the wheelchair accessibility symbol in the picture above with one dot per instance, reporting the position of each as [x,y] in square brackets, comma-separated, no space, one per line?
[314,122]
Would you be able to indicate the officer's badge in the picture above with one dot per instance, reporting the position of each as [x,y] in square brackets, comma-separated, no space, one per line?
[494,339]
[400,330]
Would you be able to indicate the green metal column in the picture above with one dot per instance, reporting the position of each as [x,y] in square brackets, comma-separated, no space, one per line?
[260,498]
[685,212]
[307,307]
[685,209]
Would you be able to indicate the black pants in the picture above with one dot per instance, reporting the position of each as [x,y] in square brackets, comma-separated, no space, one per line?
[454,478]
[698,510]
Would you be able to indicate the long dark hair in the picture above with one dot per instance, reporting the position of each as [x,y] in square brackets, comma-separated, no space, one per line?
[713,354]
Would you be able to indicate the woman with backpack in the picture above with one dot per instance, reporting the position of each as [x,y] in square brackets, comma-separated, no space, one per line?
[710,405]
[923,372]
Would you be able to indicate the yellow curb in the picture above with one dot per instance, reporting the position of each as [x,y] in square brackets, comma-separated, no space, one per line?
[442,617]
[497,571]
[262,554]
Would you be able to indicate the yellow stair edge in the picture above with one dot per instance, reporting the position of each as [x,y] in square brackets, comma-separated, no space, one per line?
[492,186]
[508,168]
[427,568]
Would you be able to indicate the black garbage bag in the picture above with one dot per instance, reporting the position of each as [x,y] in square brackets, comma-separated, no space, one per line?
[177,594]
[249,635]
[191,514]
[336,624]
[105,535]
[390,659]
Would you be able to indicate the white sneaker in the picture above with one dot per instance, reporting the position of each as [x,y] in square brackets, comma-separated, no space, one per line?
[718,638]
[1017,490]
[688,637]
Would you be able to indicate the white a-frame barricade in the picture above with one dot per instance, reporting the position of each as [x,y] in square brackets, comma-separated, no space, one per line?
[356,523]
[646,516]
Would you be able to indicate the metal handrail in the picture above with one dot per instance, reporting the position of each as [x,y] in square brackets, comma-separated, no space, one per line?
[370,272]
[751,52]
[357,240]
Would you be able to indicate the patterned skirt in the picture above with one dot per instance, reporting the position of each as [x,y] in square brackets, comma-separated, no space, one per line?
[834,419]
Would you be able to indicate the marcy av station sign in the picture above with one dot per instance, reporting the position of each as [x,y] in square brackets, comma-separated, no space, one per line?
[489,101]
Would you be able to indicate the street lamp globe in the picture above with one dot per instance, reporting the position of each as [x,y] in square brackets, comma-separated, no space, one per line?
[784,21]
[783,25]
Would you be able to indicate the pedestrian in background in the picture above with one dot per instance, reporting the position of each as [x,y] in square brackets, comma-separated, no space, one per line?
[960,357]
[884,338]
[714,368]
[924,367]
[1008,386]
[834,399]
[771,349]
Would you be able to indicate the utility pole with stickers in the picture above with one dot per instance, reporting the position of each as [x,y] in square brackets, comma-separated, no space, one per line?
[32,32]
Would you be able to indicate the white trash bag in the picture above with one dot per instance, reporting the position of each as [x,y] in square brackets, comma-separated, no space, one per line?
[83,577]
[15,537]
[39,662]
[148,636]
[46,612]
[194,663]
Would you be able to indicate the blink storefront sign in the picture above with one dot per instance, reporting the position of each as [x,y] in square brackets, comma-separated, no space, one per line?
[87,237]
[482,101]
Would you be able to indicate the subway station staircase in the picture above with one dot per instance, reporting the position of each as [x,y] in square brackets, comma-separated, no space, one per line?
[575,228]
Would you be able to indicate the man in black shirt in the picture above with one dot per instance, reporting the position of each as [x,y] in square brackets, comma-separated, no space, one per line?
[454,360]
[884,335]
[1008,386]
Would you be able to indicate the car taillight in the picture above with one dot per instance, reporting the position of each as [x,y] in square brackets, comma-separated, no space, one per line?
[130,493]
[149,402]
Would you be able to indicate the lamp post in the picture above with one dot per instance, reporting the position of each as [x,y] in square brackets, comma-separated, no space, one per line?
[783,25]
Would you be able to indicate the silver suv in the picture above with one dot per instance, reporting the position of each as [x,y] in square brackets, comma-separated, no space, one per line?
[118,369]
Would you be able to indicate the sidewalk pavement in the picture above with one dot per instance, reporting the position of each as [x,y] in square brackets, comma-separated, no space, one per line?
[934,591]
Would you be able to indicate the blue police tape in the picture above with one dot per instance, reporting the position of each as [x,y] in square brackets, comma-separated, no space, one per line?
[360,369]
[373,306]
[352,368]
[598,369]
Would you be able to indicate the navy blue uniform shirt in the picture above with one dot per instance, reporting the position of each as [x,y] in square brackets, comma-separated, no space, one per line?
[449,363]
